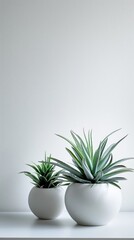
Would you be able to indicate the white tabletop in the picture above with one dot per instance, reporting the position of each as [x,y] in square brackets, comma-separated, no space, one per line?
[26,225]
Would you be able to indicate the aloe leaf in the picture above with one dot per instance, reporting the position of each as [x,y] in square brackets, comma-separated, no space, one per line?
[121,160]
[98,162]
[87,170]
[34,178]
[53,177]
[74,146]
[103,145]
[114,179]
[81,142]
[78,154]
[66,166]
[66,139]
[44,166]
[76,178]
[98,176]
[111,133]
[112,168]
[105,162]
[70,179]
[40,169]
[90,144]
[105,155]
[116,172]
[73,156]
[115,184]
[83,149]
[48,175]
[85,137]
[104,141]
[87,158]
[57,173]
[43,177]
[96,158]
[75,138]
[109,163]
[34,167]
[98,166]
[54,183]
[78,167]
[111,147]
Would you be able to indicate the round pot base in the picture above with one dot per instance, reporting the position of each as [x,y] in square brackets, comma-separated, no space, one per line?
[46,203]
[93,204]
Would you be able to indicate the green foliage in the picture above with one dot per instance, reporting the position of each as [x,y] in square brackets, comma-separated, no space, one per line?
[44,175]
[89,165]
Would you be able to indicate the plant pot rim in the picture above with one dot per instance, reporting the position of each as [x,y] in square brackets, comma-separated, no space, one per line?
[91,184]
[48,189]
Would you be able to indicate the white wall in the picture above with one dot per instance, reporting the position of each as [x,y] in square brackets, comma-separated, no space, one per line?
[66,64]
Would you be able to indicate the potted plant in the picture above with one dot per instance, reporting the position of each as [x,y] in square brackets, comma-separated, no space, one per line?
[46,197]
[93,196]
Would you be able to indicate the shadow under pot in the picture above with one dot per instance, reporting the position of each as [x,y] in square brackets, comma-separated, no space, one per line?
[93,204]
[46,203]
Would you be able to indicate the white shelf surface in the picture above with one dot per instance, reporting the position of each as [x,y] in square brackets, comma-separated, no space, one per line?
[26,225]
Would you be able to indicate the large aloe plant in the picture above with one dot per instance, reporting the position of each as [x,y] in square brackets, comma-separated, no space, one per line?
[44,175]
[89,165]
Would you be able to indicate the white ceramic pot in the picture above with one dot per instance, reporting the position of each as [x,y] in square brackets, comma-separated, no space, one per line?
[95,204]
[46,203]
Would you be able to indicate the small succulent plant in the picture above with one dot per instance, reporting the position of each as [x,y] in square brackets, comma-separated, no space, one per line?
[89,165]
[44,175]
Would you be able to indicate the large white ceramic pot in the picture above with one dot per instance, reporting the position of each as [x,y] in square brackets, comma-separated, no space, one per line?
[95,204]
[46,203]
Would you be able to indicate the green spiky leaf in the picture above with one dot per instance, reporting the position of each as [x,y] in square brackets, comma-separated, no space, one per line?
[89,165]
[44,175]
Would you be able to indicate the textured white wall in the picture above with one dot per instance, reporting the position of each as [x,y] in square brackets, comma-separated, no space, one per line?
[65,64]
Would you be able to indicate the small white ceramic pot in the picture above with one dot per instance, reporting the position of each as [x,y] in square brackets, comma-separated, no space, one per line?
[46,203]
[95,204]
